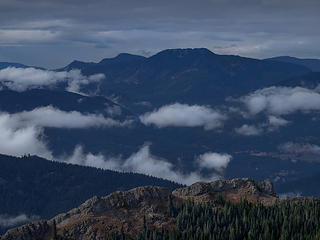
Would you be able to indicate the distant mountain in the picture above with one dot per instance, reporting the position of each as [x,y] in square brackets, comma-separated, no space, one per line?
[135,85]
[12,101]
[4,65]
[8,64]
[185,75]
[309,80]
[313,64]
[35,186]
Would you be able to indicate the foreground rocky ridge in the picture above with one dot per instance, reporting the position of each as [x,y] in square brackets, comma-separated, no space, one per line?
[99,216]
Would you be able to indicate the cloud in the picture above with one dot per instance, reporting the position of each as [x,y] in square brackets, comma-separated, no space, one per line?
[21,79]
[282,100]
[145,163]
[300,148]
[276,122]
[301,151]
[183,115]
[55,118]
[249,130]
[22,140]
[11,221]
[22,133]
[211,160]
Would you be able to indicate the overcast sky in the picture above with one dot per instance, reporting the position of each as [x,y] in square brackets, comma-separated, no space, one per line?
[51,33]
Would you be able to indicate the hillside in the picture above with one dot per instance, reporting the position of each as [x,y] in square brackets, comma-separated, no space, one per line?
[38,187]
[100,216]
[184,75]
[231,209]
[313,64]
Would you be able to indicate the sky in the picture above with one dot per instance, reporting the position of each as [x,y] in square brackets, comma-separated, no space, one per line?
[51,34]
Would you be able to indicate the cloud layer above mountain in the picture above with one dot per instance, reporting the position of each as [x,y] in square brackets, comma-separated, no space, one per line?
[146,163]
[18,141]
[55,118]
[21,79]
[22,133]
[183,115]
[282,100]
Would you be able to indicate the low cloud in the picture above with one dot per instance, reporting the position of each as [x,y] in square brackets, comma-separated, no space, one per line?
[21,79]
[276,122]
[300,148]
[11,221]
[301,151]
[146,163]
[18,141]
[53,117]
[183,115]
[22,133]
[211,160]
[282,100]
[249,130]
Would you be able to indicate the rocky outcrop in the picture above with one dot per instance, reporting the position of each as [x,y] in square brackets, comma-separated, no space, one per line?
[31,231]
[140,197]
[98,216]
[238,184]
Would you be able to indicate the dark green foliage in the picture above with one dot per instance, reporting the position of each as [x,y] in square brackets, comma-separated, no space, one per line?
[286,220]
[54,231]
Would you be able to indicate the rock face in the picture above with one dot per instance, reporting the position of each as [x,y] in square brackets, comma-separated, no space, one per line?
[31,231]
[98,216]
[240,185]
[136,198]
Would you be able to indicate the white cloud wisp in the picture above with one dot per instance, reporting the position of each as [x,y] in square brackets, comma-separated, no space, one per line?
[21,79]
[282,100]
[22,133]
[11,221]
[145,163]
[183,115]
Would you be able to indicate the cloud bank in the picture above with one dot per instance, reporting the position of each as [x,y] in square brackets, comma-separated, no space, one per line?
[11,221]
[21,79]
[183,115]
[282,100]
[18,141]
[55,118]
[146,163]
[22,133]
[249,130]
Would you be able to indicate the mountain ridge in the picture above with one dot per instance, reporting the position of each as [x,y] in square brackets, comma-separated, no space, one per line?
[311,63]
[97,217]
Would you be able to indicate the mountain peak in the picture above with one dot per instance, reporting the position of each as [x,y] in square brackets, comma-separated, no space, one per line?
[123,57]
[181,52]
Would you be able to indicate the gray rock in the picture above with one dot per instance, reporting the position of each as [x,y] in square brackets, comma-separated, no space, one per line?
[30,231]
[129,199]
[201,188]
